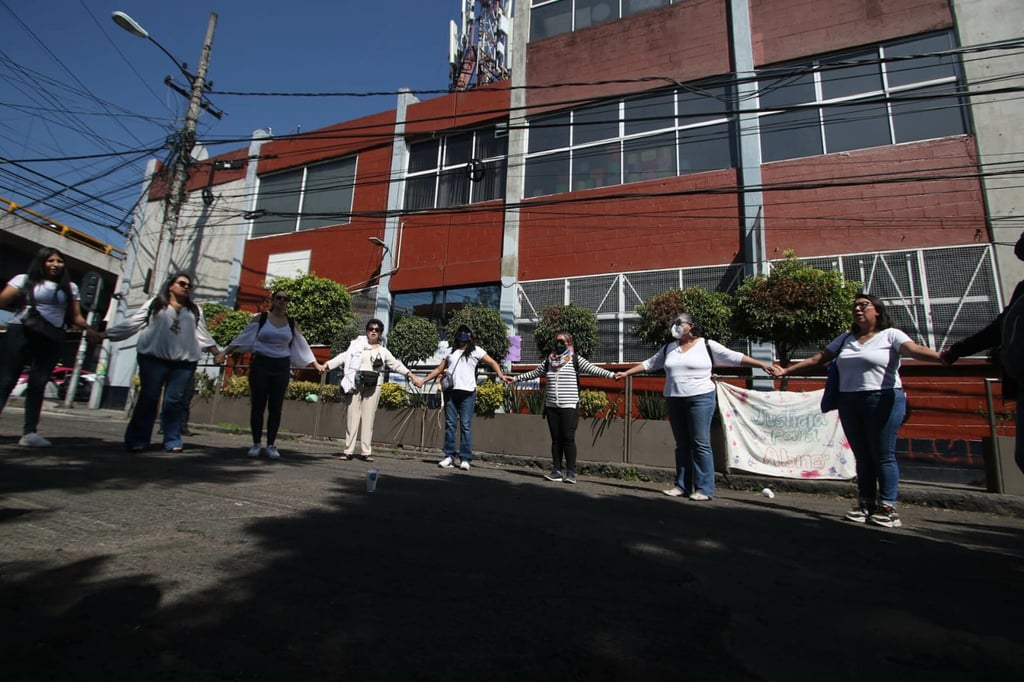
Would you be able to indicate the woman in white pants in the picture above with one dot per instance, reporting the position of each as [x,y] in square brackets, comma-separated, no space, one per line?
[364,360]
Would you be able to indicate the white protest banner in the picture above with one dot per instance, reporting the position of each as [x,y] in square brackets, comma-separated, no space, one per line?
[783,434]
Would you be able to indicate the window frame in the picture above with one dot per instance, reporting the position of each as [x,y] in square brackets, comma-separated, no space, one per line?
[302,190]
[458,169]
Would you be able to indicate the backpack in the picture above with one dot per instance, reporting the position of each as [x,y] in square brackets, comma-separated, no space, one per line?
[1011,352]
[263,321]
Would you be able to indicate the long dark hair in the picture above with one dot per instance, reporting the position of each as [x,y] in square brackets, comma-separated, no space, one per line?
[882,320]
[37,272]
[162,299]
[470,346]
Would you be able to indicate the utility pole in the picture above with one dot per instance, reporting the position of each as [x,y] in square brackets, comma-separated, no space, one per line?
[179,174]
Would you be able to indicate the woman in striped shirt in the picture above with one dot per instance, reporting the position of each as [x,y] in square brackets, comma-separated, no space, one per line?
[561,370]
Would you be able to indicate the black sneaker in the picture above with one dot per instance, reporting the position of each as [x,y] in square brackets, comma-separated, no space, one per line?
[555,475]
[885,516]
[570,476]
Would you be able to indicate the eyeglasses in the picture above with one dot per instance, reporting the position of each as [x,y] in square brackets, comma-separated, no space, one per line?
[282,299]
[183,284]
[377,330]
[682,321]
[861,305]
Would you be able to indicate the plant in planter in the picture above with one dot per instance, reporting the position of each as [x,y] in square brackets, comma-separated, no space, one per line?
[489,330]
[711,310]
[489,397]
[236,387]
[321,307]
[393,396]
[413,340]
[518,400]
[652,406]
[580,322]
[592,403]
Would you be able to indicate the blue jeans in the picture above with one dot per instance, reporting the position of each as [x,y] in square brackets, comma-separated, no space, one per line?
[871,420]
[690,418]
[155,375]
[459,407]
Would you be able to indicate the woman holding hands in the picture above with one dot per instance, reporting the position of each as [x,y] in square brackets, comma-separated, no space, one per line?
[871,402]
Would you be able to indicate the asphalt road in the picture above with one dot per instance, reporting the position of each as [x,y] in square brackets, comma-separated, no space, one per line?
[211,566]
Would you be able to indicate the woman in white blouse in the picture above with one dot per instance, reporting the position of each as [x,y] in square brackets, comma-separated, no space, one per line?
[172,339]
[691,401]
[277,344]
[55,296]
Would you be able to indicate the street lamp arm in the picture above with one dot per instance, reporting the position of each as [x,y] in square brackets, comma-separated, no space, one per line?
[136,29]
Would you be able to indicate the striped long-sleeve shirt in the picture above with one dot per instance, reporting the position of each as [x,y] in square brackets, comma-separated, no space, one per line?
[562,382]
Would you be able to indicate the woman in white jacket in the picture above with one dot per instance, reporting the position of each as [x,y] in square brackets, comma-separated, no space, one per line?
[277,344]
[364,360]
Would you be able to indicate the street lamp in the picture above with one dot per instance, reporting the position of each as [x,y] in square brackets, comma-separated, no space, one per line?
[186,140]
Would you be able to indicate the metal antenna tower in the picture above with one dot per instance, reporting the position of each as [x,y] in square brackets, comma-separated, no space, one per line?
[478,50]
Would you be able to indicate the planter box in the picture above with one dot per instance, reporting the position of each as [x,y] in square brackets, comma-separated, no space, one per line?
[230,411]
[298,416]
[1001,472]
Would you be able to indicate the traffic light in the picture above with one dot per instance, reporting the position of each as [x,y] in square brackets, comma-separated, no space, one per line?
[90,291]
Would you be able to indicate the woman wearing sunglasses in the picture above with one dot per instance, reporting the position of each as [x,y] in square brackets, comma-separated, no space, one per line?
[172,339]
[871,402]
[277,344]
[364,360]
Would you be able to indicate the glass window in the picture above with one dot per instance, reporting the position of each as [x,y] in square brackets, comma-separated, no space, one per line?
[549,132]
[419,192]
[453,188]
[327,197]
[458,149]
[489,144]
[920,69]
[279,194]
[649,158]
[596,167]
[925,119]
[634,6]
[645,114]
[492,186]
[547,175]
[856,126]
[593,12]
[550,20]
[595,123]
[704,149]
[779,92]
[423,155]
[699,105]
[437,305]
[790,135]
[845,81]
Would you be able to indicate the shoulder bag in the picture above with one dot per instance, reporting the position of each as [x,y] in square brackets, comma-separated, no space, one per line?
[830,398]
[34,322]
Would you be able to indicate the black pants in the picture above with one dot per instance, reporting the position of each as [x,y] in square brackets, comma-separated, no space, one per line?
[22,348]
[562,423]
[268,380]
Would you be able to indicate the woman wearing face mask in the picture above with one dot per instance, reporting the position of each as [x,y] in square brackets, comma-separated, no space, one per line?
[691,401]
[277,344]
[172,339]
[871,402]
[458,409]
[364,357]
[561,370]
[55,297]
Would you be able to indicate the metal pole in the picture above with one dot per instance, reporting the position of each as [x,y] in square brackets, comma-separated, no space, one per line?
[83,344]
[179,177]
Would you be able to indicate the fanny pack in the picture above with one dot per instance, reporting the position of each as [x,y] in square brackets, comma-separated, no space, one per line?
[366,377]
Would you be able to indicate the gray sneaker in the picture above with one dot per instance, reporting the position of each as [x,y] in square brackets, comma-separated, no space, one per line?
[885,516]
[570,476]
[555,475]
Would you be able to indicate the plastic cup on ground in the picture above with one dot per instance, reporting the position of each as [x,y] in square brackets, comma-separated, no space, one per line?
[371,480]
[769,493]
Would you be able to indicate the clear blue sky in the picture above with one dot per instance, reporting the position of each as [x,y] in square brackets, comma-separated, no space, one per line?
[74,83]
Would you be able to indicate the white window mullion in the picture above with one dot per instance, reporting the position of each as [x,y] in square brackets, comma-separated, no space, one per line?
[302,197]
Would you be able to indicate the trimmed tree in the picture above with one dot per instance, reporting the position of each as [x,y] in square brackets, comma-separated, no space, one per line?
[710,310]
[322,307]
[413,340]
[795,305]
[223,323]
[580,322]
[489,331]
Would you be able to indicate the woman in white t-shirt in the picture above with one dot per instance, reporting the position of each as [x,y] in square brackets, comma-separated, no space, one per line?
[277,344]
[691,401]
[56,298]
[871,402]
[461,365]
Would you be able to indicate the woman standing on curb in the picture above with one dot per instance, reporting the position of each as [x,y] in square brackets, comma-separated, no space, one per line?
[691,400]
[48,289]
[871,402]
[561,370]
[364,360]
[277,344]
[460,367]
[172,340]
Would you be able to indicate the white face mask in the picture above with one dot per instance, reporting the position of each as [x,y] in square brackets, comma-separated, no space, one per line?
[677,331]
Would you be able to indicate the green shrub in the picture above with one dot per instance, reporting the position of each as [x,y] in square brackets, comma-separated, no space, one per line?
[489,397]
[711,311]
[580,322]
[489,331]
[236,387]
[520,400]
[298,390]
[393,396]
[592,402]
[413,340]
[652,406]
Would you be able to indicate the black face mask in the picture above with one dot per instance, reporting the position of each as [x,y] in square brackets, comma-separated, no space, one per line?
[560,346]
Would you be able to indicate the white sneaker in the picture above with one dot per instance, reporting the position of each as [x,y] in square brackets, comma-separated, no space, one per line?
[674,491]
[34,440]
[464,465]
[272,452]
[445,463]
[254,451]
